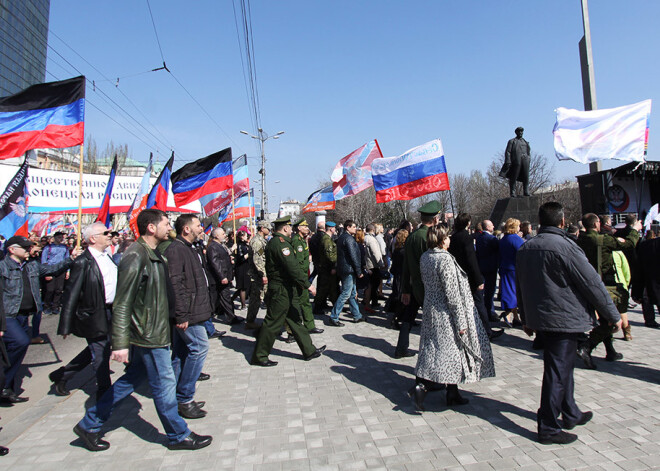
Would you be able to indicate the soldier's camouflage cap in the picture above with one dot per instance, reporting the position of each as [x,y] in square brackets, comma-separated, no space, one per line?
[431,208]
[263,223]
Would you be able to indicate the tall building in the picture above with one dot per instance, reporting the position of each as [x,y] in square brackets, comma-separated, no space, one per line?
[23,44]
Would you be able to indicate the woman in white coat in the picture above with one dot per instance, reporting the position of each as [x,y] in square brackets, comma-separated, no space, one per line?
[453,346]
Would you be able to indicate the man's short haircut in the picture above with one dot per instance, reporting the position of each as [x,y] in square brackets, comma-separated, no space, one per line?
[589,221]
[630,219]
[551,214]
[526,226]
[114,234]
[320,226]
[215,232]
[348,223]
[572,229]
[91,230]
[183,221]
[427,218]
[149,216]
[371,227]
[462,221]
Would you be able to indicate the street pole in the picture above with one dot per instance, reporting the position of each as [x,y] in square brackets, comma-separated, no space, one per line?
[587,68]
[264,199]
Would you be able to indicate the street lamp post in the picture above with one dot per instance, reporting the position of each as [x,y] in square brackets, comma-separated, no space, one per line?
[262,137]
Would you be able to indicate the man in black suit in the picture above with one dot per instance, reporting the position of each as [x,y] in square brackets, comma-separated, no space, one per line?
[488,253]
[646,283]
[87,309]
[462,248]
[218,257]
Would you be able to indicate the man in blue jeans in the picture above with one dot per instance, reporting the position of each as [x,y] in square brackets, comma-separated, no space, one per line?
[142,310]
[190,341]
[349,270]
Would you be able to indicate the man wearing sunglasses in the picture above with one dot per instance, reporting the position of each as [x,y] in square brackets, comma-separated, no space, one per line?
[87,310]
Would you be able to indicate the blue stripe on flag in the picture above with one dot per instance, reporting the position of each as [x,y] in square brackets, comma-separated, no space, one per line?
[37,120]
[410,173]
[223,169]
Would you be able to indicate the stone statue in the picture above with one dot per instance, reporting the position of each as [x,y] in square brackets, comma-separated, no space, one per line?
[516,163]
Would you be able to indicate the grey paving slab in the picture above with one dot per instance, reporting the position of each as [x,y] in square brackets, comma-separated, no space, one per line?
[349,410]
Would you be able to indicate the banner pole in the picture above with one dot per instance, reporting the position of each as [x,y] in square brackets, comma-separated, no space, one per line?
[451,200]
[233,212]
[78,233]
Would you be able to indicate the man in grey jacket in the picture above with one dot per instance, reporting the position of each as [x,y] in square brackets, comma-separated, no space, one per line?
[558,290]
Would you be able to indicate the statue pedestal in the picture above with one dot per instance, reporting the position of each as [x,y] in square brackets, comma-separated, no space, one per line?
[523,209]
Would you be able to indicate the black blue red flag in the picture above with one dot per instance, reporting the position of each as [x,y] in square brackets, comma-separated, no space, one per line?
[211,174]
[46,115]
[14,205]
[104,210]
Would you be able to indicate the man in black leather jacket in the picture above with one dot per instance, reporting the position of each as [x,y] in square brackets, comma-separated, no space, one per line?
[87,310]
[218,257]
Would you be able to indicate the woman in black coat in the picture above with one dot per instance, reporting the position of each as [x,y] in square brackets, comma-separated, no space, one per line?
[241,265]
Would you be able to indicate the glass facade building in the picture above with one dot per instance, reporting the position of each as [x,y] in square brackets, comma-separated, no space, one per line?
[23,44]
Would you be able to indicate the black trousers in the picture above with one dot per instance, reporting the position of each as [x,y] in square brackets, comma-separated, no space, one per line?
[478,298]
[558,385]
[224,306]
[407,318]
[490,283]
[648,310]
[53,292]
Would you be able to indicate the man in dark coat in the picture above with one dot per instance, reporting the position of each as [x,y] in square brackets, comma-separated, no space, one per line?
[190,343]
[646,285]
[557,291]
[87,310]
[462,248]
[516,163]
[326,269]
[218,257]
[487,248]
[348,270]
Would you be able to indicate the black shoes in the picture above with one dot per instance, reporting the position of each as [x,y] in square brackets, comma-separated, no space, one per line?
[192,442]
[59,385]
[417,394]
[217,334]
[10,397]
[263,363]
[584,352]
[653,325]
[614,356]
[586,417]
[496,333]
[361,319]
[234,321]
[203,377]
[3,450]
[406,354]
[290,339]
[190,410]
[561,438]
[317,353]
[315,330]
[454,398]
[91,440]
[334,323]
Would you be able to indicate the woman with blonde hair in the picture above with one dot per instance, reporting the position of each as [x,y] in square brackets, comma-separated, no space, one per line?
[453,346]
[509,245]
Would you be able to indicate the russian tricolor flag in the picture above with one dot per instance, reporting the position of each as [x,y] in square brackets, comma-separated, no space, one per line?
[46,115]
[320,200]
[211,174]
[104,210]
[415,173]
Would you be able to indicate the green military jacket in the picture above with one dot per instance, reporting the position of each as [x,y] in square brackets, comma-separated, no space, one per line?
[328,253]
[411,277]
[258,260]
[301,250]
[140,312]
[599,247]
[281,264]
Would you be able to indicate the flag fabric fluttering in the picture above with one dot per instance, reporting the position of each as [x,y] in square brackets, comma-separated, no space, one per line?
[211,174]
[140,200]
[320,200]
[214,202]
[243,207]
[616,133]
[417,172]
[652,215]
[46,115]
[352,174]
[14,205]
[104,210]
[158,195]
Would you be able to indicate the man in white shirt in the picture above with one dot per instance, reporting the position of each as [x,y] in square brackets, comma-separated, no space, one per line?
[87,309]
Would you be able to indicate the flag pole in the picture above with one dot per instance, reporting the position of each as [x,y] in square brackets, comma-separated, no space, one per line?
[233,212]
[78,234]
[451,200]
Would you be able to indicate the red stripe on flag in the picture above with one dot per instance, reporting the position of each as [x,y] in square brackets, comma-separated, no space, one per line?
[211,186]
[15,144]
[414,189]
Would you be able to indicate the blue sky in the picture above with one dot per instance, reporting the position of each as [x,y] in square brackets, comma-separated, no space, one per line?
[334,75]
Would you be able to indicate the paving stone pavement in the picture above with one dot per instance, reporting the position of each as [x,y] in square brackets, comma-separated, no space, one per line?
[348,410]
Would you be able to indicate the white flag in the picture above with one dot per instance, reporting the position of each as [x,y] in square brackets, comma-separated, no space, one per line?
[589,136]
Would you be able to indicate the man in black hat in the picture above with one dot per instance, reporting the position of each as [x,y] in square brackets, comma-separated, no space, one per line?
[21,299]
[412,290]
[516,163]
[285,276]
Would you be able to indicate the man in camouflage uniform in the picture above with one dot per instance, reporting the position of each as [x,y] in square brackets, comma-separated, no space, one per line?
[285,276]
[257,272]
[326,283]
[301,251]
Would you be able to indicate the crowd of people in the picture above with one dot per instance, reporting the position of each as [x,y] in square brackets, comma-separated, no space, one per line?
[156,301]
